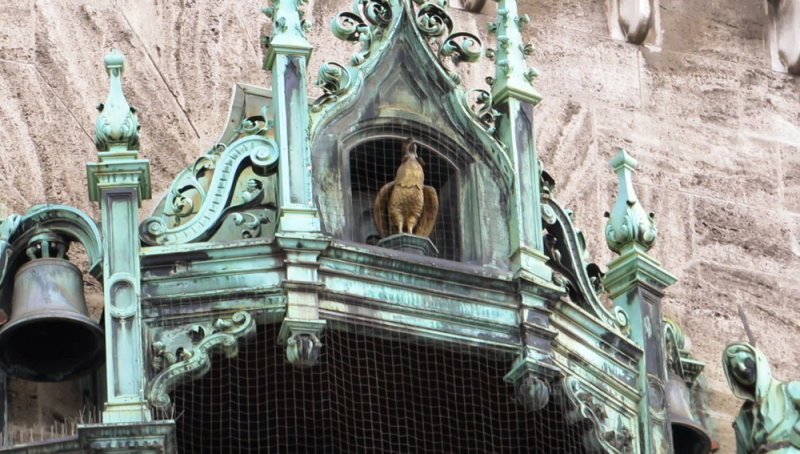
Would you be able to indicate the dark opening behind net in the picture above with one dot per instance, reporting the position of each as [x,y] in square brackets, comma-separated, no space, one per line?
[367,395]
[374,163]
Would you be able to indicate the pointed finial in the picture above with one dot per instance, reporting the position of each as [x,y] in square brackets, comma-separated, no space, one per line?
[513,77]
[629,226]
[289,29]
[117,126]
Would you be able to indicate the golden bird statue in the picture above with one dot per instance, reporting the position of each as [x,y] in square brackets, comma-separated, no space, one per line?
[406,205]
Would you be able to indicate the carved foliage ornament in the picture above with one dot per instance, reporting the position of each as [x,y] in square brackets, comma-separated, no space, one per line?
[198,221]
[600,436]
[190,363]
[628,226]
[479,102]
[117,126]
[368,23]
[436,27]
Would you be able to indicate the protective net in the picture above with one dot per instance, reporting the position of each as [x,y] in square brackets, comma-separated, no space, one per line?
[368,394]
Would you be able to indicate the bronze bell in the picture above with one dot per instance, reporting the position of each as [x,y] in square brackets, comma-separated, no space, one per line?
[688,436]
[50,336]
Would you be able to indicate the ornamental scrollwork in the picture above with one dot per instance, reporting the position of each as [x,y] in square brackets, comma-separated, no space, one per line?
[566,249]
[479,102]
[433,21]
[258,124]
[190,363]
[461,47]
[335,80]
[363,24]
[202,197]
[436,27]
[599,437]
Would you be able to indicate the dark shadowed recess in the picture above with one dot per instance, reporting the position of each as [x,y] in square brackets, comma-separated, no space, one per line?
[369,394]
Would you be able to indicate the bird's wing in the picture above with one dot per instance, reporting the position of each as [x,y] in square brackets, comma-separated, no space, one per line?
[380,210]
[429,211]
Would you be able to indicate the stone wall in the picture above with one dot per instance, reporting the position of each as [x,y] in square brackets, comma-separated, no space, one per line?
[716,131]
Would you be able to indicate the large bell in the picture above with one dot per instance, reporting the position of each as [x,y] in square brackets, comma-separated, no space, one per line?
[50,336]
[688,436]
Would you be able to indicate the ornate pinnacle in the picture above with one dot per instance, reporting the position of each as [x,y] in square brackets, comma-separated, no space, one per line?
[512,75]
[629,226]
[289,28]
[117,126]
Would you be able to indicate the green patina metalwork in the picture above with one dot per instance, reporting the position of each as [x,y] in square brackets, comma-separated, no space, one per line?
[119,182]
[629,226]
[635,282]
[769,419]
[194,359]
[257,231]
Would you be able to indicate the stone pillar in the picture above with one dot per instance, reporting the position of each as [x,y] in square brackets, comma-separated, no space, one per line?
[119,182]
[635,281]
[298,230]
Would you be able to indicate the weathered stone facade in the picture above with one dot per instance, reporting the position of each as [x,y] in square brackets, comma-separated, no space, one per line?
[715,128]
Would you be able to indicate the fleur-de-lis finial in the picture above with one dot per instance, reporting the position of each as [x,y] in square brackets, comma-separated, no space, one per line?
[629,226]
[117,126]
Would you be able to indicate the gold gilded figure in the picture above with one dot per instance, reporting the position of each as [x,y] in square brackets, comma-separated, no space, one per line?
[406,205]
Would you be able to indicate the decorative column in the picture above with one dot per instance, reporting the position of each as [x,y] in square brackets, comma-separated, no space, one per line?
[119,182]
[636,281]
[298,230]
[514,97]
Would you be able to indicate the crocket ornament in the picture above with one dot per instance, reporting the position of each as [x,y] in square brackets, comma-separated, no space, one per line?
[406,205]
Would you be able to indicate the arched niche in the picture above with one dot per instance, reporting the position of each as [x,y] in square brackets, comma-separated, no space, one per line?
[357,150]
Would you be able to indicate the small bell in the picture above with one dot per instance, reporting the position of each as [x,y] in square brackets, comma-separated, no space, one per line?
[688,436]
[50,336]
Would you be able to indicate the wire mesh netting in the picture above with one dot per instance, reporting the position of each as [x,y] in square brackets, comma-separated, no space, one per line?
[368,394]
[374,163]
